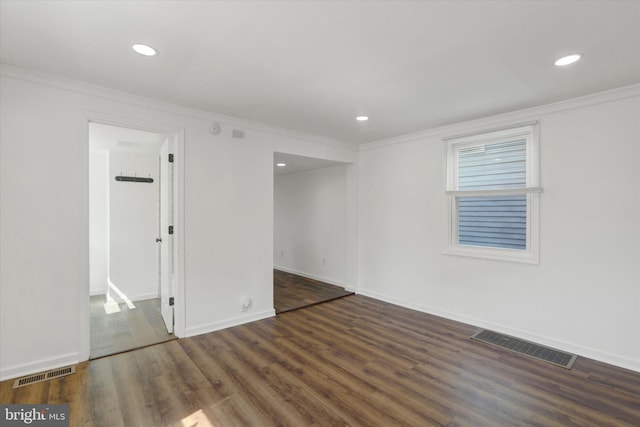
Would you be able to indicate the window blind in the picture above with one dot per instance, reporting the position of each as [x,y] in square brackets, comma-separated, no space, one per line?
[495,166]
[492,220]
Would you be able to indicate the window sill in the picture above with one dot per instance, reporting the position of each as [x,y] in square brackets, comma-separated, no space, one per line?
[525,257]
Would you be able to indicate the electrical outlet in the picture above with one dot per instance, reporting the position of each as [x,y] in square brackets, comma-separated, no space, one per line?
[324,261]
[281,254]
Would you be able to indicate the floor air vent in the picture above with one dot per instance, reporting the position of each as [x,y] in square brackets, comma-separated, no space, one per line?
[44,376]
[546,354]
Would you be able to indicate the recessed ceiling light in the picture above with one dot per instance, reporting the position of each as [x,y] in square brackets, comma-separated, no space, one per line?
[145,50]
[566,60]
[362,118]
[281,165]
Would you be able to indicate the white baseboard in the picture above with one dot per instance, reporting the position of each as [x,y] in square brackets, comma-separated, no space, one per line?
[591,353]
[216,326]
[38,366]
[134,298]
[312,276]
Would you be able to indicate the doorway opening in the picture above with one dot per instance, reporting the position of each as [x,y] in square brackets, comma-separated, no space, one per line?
[310,231]
[131,255]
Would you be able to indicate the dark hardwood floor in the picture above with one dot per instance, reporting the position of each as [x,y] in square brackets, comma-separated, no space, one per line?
[117,327]
[291,292]
[352,361]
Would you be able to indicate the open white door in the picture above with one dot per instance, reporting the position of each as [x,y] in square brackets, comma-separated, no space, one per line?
[166,233]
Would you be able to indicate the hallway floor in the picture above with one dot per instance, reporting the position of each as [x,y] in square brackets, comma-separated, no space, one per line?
[118,327]
[291,292]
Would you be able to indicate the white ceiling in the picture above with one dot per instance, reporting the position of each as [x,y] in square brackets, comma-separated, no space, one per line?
[312,66]
[299,163]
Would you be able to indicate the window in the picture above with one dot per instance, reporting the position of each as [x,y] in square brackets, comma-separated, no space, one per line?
[493,186]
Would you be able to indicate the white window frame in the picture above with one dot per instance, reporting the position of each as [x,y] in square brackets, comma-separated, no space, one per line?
[532,191]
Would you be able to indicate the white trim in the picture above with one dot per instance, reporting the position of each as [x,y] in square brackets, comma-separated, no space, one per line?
[134,298]
[529,132]
[86,117]
[224,324]
[580,350]
[505,131]
[502,120]
[507,192]
[166,107]
[39,366]
[179,285]
[84,278]
[352,227]
[311,276]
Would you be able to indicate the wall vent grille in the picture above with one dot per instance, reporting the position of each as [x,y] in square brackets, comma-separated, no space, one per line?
[537,351]
[44,376]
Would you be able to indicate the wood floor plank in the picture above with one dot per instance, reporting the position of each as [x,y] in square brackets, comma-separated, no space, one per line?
[100,401]
[272,409]
[291,292]
[283,381]
[315,381]
[353,361]
[132,389]
[344,384]
[285,364]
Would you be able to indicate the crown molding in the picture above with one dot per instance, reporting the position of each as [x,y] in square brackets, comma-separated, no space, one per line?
[85,88]
[506,119]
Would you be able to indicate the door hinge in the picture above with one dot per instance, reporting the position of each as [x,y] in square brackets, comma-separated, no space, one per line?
[170,157]
[171,301]
[171,229]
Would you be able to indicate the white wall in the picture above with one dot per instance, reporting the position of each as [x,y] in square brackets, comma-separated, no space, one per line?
[133,227]
[98,220]
[310,223]
[44,214]
[585,294]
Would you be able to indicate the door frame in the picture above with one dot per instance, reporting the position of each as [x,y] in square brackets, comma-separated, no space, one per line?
[84,331]
[166,210]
